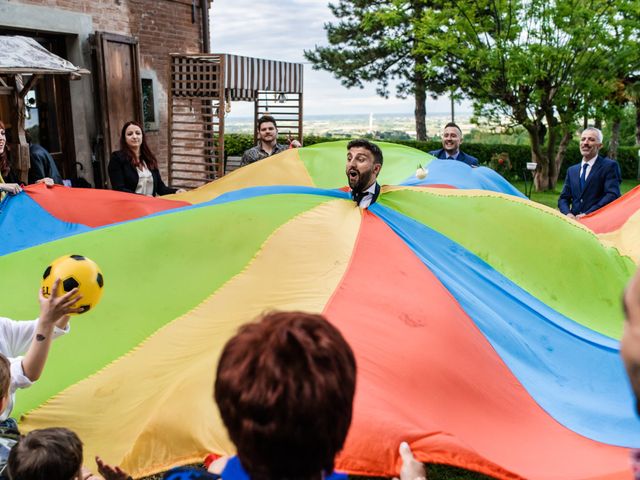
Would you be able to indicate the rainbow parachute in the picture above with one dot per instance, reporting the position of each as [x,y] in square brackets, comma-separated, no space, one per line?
[485,326]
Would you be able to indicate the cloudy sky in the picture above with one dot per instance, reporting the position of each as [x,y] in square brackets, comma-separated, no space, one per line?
[281,31]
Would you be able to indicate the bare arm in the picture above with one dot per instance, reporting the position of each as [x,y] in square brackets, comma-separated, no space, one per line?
[54,311]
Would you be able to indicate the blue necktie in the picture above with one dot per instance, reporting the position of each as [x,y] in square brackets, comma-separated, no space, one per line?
[583,176]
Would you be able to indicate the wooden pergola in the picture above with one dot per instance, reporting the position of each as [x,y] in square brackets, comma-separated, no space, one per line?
[23,56]
[202,89]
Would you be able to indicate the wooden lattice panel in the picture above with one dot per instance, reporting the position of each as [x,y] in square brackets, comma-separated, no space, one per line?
[196,123]
[196,76]
[200,86]
[286,108]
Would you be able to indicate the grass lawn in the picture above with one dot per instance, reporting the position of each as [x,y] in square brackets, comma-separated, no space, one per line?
[550,198]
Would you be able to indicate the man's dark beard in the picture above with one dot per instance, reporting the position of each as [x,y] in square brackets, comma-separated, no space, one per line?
[364,181]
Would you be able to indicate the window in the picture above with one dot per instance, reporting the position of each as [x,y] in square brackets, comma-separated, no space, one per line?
[149,105]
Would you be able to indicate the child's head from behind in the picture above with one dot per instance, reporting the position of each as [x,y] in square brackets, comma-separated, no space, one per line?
[285,389]
[5,381]
[47,454]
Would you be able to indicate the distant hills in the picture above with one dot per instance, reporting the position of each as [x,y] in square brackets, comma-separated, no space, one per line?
[398,124]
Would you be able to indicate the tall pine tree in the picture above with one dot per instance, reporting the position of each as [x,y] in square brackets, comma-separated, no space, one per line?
[377,41]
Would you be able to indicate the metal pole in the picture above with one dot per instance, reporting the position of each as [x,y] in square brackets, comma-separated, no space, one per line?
[206,40]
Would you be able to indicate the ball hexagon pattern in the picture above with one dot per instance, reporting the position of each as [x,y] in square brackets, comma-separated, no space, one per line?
[75,271]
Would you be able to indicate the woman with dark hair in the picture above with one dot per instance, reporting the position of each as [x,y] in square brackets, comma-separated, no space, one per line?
[8,180]
[134,168]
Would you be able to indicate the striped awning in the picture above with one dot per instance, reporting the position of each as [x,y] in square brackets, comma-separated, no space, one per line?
[245,76]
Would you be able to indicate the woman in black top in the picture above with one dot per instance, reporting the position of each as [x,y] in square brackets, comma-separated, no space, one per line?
[134,168]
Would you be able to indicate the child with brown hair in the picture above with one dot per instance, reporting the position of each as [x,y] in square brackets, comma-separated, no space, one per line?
[54,454]
[47,454]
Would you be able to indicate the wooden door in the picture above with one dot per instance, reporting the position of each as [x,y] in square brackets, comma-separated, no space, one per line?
[119,90]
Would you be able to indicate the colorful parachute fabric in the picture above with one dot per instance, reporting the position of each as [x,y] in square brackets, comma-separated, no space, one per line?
[618,224]
[485,326]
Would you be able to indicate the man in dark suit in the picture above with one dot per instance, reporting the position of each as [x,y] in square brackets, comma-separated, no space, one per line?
[592,183]
[364,161]
[451,140]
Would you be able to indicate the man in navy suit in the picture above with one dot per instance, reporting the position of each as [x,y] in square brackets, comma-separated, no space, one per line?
[592,183]
[451,140]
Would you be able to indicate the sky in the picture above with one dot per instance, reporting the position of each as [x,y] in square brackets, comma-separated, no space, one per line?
[282,30]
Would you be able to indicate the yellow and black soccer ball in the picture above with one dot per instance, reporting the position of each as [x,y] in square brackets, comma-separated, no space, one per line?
[75,271]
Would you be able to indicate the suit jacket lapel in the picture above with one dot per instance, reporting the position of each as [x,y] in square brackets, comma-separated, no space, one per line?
[376,194]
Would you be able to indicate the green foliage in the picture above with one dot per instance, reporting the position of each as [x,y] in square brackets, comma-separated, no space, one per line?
[501,163]
[373,42]
[235,144]
[379,41]
[627,118]
[513,136]
[519,155]
[541,64]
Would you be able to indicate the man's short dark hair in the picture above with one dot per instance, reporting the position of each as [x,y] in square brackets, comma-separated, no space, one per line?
[266,119]
[453,124]
[285,389]
[47,454]
[372,147]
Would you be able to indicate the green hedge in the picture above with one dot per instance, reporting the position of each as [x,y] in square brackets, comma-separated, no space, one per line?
[235,144]
[519,155]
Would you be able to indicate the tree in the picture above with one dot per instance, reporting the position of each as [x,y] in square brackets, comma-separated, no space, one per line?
[625,70]
[541,64]
[376,41]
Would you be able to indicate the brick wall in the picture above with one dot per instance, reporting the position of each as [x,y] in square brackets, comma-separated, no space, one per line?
[161,27]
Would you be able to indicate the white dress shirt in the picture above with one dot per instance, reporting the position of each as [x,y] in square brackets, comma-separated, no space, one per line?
[15,338]
[590,163]
[145,181]
[366,200]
